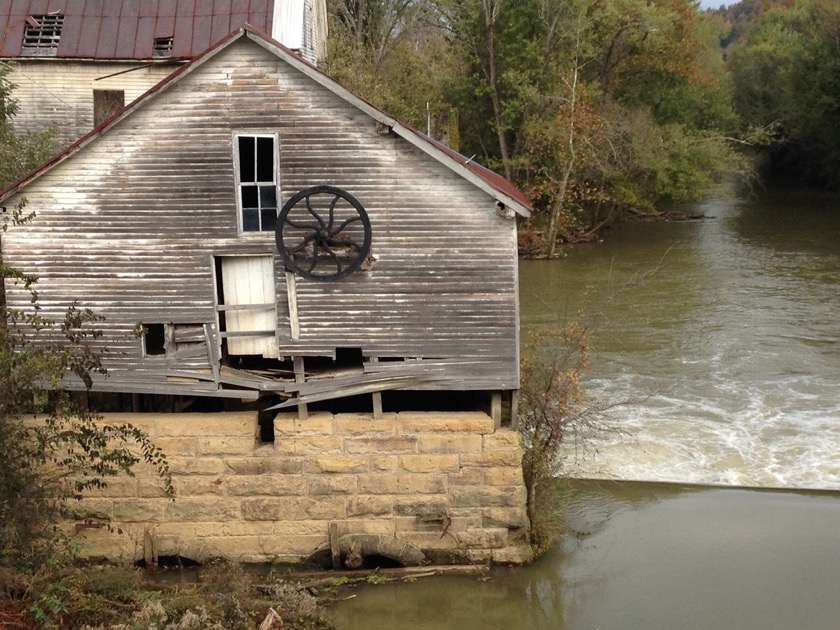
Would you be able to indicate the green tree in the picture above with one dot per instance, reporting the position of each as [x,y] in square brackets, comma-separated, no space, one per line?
[19,153]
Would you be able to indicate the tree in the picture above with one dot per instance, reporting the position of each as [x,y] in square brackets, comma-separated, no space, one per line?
[53,448]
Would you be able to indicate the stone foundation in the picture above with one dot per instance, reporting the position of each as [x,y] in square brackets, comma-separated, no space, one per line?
[415,487]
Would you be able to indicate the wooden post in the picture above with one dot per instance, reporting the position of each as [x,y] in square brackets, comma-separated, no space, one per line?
[300,377]
[496,409]
[377,397]
[335,547]
[514,409]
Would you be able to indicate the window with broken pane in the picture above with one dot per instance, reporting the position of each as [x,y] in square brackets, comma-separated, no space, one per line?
[42,34]
[257,181]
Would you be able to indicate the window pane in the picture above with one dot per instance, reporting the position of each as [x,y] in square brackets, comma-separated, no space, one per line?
[269,219]
[268,197]
[246,159]
[265,159]
[249,197]
[250,220]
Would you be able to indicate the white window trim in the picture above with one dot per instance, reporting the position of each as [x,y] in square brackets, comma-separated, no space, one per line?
[236,168]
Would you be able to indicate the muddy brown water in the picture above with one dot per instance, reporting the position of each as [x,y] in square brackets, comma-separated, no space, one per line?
[728,342]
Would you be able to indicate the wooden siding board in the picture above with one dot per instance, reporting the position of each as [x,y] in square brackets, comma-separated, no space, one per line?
[131,224]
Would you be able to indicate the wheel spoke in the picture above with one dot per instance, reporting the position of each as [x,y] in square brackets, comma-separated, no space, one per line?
[345,224]
[301,226]
[303,243]
[314,214]
[332,212]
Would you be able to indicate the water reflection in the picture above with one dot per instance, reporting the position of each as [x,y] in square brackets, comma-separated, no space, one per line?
[642,556]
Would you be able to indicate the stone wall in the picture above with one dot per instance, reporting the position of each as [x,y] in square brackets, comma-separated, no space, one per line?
[442,487]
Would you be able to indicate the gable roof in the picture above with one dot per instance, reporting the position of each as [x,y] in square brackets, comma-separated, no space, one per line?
[490,182]
[127,29]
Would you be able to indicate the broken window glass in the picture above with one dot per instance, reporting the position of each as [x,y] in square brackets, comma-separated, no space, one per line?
[256,171]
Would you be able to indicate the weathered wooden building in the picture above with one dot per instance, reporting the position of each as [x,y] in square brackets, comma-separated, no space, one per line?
[392,264]
[76,62]
[280,241]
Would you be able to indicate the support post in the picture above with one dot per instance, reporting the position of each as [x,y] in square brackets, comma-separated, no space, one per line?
[300,377]
[496,409]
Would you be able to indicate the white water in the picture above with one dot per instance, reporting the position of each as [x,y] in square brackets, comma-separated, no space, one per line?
[730,350]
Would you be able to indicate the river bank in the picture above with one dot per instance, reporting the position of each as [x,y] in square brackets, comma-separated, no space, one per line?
[644,555]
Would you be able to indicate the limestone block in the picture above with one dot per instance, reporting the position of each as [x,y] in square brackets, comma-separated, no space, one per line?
[427,483]
[429,540]
[221,446]
[273,509]
[426,507]
[340,464]
[173,447]
[179,465]
[354,423]
[382,528]
[270,485]
[386,444]
[300,546]
[509,517]
[370,505]
[507,457]
[117,487]
[309,445]
[487,538]
[519,553]
[140,510]
[151,488]
[245,528]
[449,443]
[228,423]
[483,496]
[301,528]
[184,531]
[429,463]
[378,484]
[286,425]
[502,439]
[203,509]
[469,421]
[93,508]
[384,463]
[467,476]
[328,508]
[143,421]
[275,464]
[503,476]
[236,548]
[342,484]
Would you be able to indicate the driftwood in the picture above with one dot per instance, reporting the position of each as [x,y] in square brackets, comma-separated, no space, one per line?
[314,579]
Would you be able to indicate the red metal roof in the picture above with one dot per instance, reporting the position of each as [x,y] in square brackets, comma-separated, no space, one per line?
[127,29]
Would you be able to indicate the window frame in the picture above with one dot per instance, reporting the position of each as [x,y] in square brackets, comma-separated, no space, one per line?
[240,184]
[42,34]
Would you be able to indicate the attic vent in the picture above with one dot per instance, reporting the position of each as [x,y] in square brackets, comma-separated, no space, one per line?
[42,34]
[163,46]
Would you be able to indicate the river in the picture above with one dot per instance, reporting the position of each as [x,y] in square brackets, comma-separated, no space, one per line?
[723,335]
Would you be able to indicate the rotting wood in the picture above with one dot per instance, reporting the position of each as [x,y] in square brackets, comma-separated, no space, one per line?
[496,409]
[291,294]
[300,377]
[335,547]
[328,578]
[212,351]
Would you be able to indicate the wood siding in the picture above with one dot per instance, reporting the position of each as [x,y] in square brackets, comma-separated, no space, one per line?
[131,226]
[58,94]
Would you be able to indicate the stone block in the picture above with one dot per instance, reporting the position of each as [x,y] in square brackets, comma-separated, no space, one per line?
[271,465]
[273,509]
[421,484]
[237,548]
[339,464]
[429,540]
[94,508]
[385,444]
[173,447]
[431,507]
[301,528]
[429,463]
[180,465]
[467,476]
[203,509]
[484,496]
[300,546]
[516,553]
[309,445]
[325,508]
[502,439]
[508,457]
[231,423]
[434,421]
[486,538]
[503,476]
[221,446]
[270,485]
[356,423]
[384,463]
[370,505]
[140,510]
[287,425]
[151,488]
[509,517]
[449,443]
[116,487]
[377,483]
[327,485]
